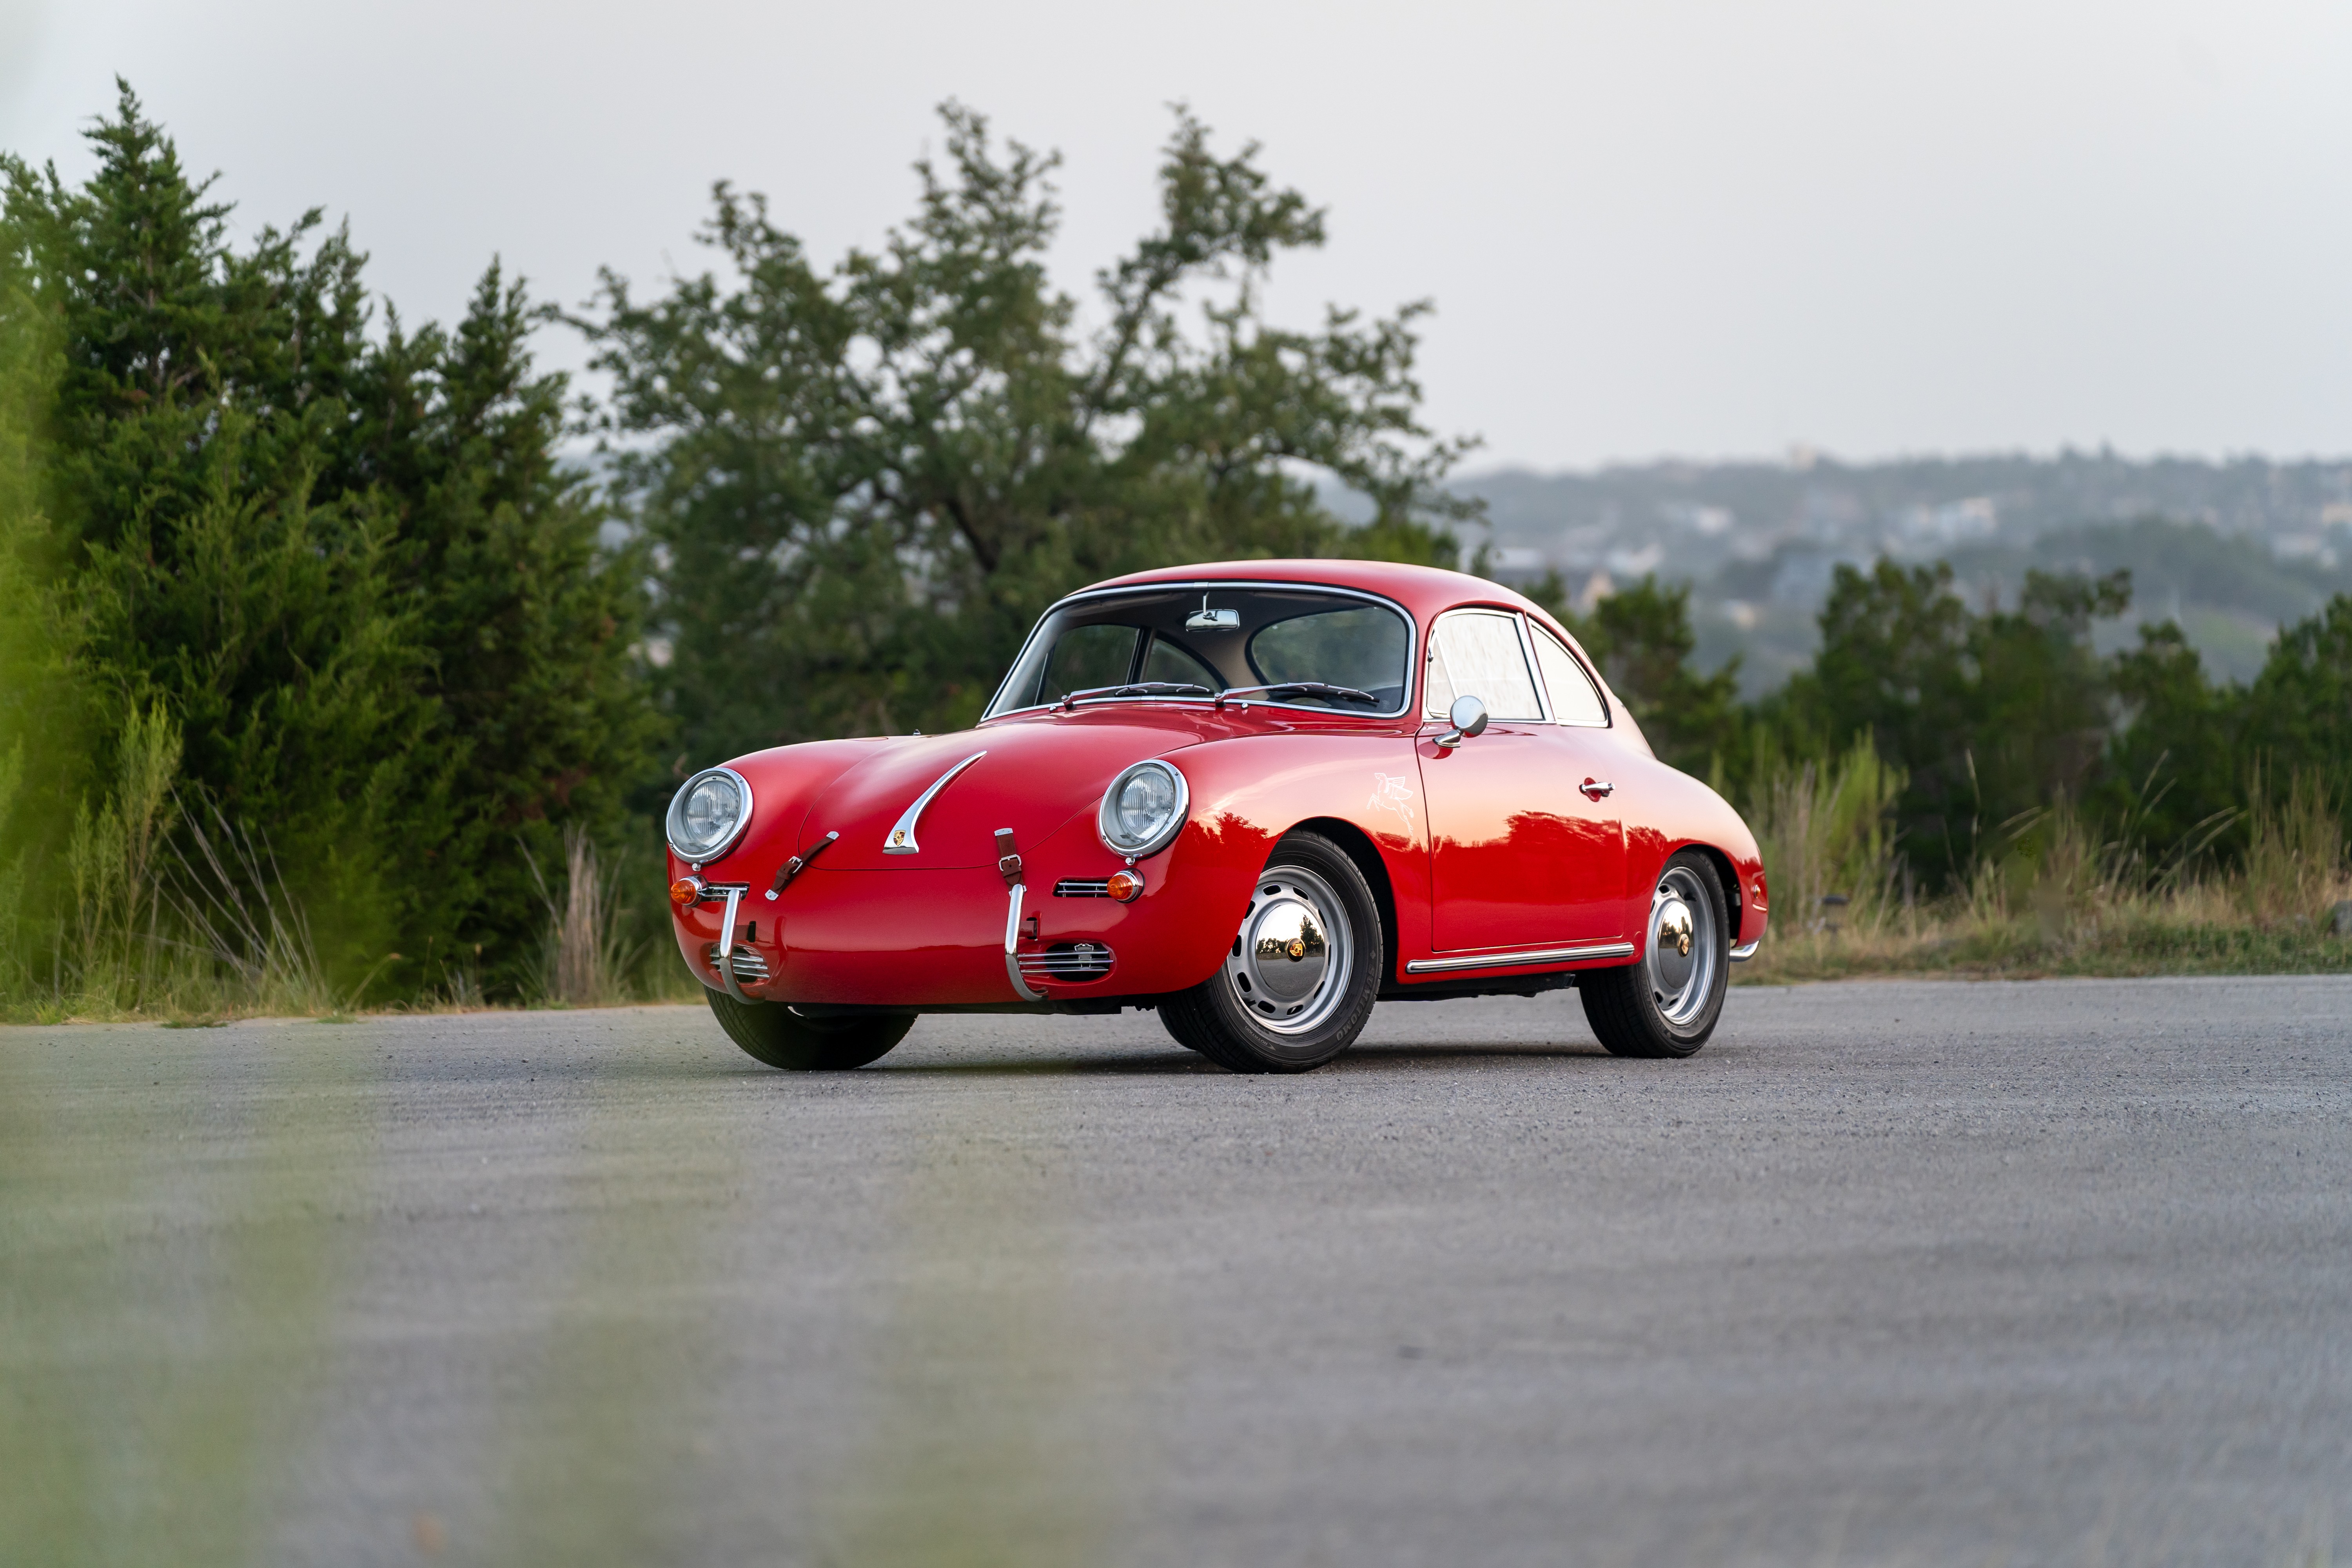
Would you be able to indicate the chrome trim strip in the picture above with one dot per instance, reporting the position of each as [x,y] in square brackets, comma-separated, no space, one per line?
[726,946]
[902,832]
[1013,948]
[1512,959]
[1413,640]
[1746,951]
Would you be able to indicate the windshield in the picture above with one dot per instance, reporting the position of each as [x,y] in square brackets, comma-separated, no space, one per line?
[1302,646]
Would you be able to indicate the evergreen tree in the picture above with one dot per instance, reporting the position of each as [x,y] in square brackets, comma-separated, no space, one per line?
[352,573]
[527,628]
[199,399]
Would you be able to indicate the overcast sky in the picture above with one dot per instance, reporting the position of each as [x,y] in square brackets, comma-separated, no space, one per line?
[1662,227]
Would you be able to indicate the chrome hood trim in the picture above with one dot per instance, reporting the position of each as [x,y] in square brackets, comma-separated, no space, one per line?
[901,837]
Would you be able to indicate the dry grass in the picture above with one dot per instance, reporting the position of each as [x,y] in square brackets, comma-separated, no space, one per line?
[2054,899]
[587,959]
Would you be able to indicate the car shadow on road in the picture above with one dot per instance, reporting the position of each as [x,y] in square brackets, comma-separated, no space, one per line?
[1408,1050]
[1379,1057]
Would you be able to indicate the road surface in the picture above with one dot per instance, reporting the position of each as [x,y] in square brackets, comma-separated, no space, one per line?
[2056,1272]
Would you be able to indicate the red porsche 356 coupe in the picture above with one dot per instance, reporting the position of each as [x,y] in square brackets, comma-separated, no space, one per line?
[1257,796]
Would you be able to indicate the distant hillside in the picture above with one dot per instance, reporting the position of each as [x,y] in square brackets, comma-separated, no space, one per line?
[2229,549]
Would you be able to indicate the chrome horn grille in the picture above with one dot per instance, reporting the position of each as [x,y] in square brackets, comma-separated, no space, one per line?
[748,966]
[1068,961]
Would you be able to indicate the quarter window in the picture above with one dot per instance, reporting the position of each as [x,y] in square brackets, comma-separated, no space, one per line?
[1477,653]
[1573,699]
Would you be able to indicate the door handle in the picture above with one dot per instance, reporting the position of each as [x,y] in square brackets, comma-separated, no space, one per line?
[1596,788]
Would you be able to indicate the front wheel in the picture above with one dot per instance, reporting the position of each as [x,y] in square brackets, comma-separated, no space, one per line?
[1667,1003]
[1302,973]
[772,1033]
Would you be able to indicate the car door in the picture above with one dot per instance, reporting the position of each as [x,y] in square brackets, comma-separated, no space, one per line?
[1520,855]
[1589,759]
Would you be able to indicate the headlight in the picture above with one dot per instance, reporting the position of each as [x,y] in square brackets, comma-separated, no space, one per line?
[1143,809]
[708,814]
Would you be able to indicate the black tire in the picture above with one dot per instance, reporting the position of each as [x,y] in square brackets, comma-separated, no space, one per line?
[775,1034]
[1267,1008]
[1667,1003]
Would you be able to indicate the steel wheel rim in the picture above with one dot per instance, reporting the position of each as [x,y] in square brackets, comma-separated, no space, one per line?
[1685,948]
[1290,962]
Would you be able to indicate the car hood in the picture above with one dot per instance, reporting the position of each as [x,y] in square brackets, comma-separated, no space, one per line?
[1031,777]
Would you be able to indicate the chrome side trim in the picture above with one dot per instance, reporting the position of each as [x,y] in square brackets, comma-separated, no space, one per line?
[727,945]
[1512,959]
[1746,951]
[1013,948]
[902,832]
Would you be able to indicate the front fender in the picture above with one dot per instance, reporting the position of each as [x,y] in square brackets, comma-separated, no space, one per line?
[1248,792]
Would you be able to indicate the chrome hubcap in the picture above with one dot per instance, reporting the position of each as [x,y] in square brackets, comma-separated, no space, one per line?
[1685,949]
[1289,965]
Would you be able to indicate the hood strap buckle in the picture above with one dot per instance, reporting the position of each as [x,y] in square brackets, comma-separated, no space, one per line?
[798,864]
[1008,856]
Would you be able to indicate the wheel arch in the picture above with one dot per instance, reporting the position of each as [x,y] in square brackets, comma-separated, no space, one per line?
[1728,875]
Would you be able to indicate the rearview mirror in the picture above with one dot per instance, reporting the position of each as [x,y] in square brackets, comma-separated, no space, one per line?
[1468,717]
[1205,619]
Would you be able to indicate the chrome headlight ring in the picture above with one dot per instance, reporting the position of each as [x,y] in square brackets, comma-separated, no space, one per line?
[703,849]
[1148,824]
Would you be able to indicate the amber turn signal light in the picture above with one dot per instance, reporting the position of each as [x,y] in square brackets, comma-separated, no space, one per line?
[686,891]
[1124,886]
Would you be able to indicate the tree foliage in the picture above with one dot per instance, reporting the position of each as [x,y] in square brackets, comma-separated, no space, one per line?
[348,571]
[867,482]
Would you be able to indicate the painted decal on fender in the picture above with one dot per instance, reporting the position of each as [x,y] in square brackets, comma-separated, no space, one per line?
[1392,793]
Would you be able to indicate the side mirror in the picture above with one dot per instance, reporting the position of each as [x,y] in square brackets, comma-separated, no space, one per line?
[1468,717]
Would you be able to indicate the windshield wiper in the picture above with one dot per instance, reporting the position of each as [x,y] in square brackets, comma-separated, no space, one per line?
[1134,689]
[1299,689]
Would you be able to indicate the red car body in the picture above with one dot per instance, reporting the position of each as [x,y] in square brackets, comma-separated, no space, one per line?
[1503,863]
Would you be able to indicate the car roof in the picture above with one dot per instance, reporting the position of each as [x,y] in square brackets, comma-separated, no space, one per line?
[1425,591]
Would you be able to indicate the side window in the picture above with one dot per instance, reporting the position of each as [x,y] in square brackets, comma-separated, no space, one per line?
[1573,699]
[1477,653]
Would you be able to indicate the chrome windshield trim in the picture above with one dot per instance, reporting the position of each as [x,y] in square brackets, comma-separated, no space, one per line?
[1512,959]
[1411,644]
[901,840]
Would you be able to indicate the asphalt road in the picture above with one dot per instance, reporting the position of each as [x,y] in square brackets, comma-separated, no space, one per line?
[1891,1273]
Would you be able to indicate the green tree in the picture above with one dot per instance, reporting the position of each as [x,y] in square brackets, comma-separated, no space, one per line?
[863,484]
[199,397]
[350,573]
[2175,773]
[2298,713]
[1989,715]
[529,628]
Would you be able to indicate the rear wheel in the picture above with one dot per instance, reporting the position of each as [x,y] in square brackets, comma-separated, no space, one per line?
[1667,1003]
[1302,973]
[772,1033]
